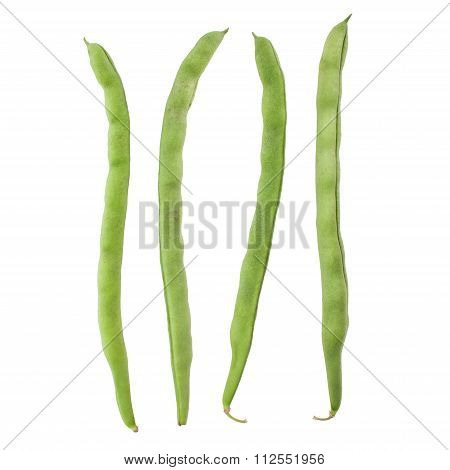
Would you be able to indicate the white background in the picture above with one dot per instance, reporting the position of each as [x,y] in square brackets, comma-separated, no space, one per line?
[395,163]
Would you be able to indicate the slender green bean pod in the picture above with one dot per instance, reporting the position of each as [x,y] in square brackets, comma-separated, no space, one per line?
[170,213]
[260,237]
[331,249]
[113,225]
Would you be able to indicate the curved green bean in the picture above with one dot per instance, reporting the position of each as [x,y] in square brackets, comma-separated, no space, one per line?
[170,213]
[331,250]
[260,237]
[113,225]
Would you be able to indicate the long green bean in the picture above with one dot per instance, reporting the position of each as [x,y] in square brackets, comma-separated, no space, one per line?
[113,225]
[170,213]
[260,237]
[331,249]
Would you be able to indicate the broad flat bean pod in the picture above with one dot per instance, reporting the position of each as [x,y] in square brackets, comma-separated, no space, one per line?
[260,237]
[331,249]
[170,213]
[113,225]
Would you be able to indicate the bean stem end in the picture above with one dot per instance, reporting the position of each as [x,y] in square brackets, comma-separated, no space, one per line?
[227,412]
[331,415]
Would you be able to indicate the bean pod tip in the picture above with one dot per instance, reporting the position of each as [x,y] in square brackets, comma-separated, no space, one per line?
[227,412]
[331,415]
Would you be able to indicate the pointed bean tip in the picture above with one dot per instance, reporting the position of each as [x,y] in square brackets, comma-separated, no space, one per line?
[134,428]
[227,412]
[225,31]
[348,17]
[86,41]
[331,415]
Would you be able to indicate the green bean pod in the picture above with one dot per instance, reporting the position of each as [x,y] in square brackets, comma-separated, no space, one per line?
[331,249]
[170,213]
[260,237]
[113,225]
